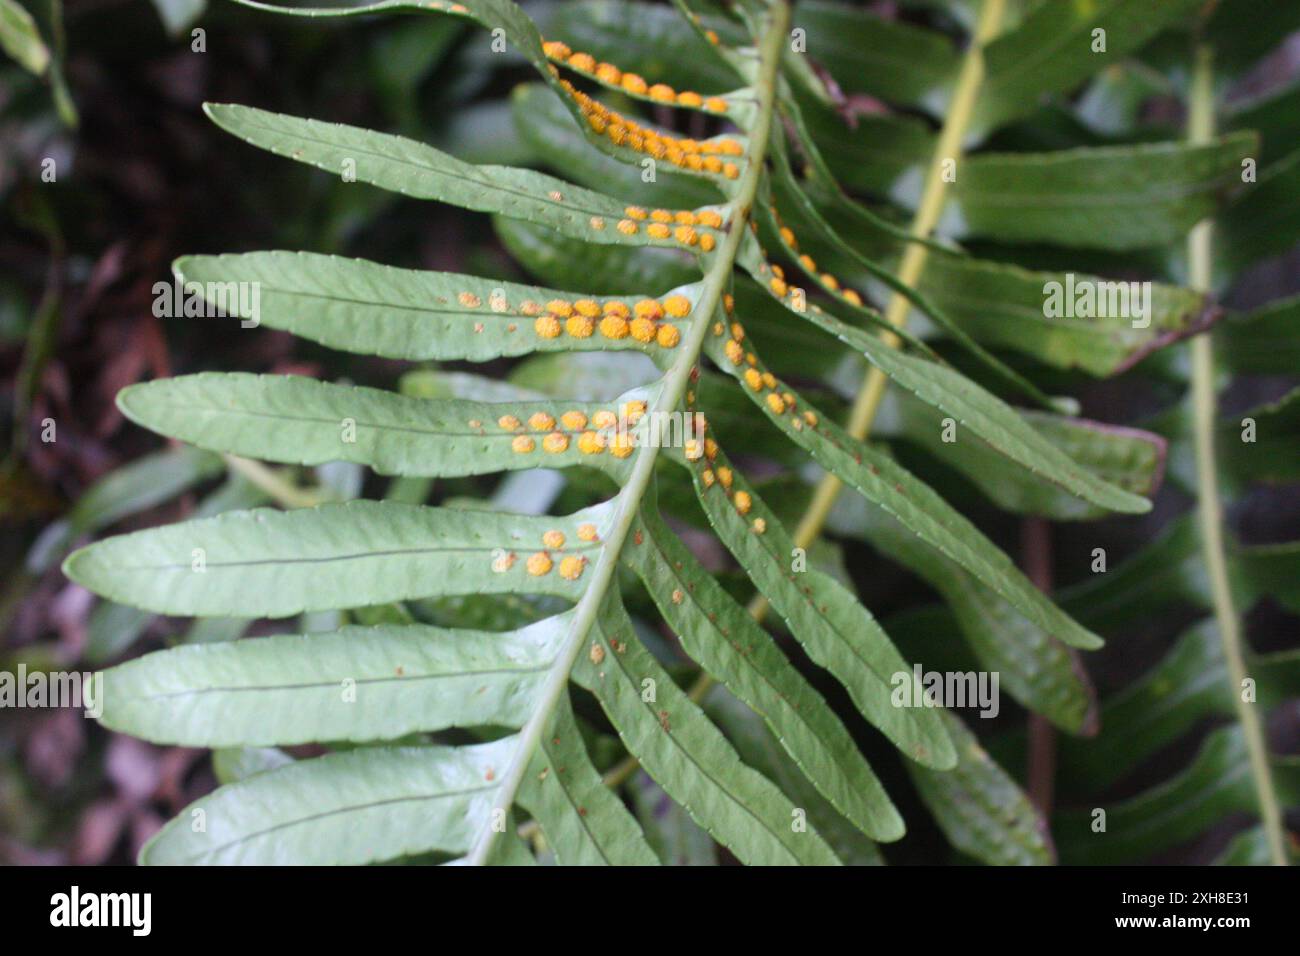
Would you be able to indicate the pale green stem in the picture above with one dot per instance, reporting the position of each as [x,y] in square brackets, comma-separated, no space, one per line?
[279,489]
[669,397]
[1200,129]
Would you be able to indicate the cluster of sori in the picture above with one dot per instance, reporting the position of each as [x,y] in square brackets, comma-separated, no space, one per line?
[781,287]
[596,434]
[756,377]
[610,75]
[541,563]
[615,319]
[695,155]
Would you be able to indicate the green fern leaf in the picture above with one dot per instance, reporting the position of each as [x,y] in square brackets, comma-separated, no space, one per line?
[357,683]
[276,564]
[582,818]
[347,808]
[373,309]
[688,755]
[716,632]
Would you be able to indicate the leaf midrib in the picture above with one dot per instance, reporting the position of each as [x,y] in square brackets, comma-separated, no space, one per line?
[291,560]
[214,409]
[365,681]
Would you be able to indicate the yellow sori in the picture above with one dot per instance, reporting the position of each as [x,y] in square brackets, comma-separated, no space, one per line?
[613,320]
[611,75]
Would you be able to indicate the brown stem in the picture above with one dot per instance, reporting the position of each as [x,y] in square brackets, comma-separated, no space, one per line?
[1036,556]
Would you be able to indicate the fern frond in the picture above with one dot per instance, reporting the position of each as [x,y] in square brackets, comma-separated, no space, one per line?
[778,777]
